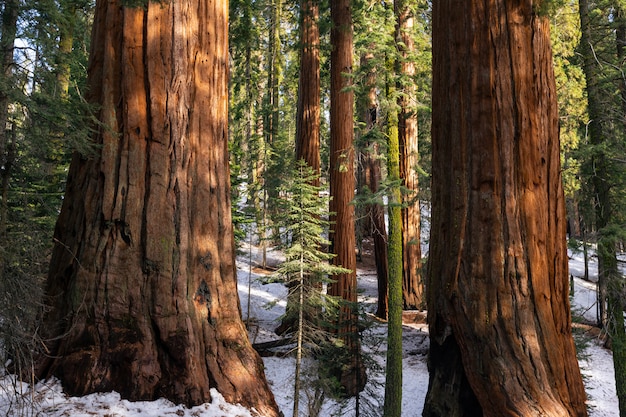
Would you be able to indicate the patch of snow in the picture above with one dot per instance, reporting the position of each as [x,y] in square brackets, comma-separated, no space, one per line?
[267,303]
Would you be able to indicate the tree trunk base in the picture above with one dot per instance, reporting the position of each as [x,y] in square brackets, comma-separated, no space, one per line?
[449,392]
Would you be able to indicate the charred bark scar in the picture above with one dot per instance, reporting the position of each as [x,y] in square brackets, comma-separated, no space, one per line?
[124,229]
[206,262]
[203,295]
[150,267]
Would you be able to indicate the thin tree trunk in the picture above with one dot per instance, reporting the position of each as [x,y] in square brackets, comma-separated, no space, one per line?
[8,33]
[66,40]
[393,370]
[372,175]
[615,288]
[601,186]
[379,233]
[499,314]
[142,283]
[299,338]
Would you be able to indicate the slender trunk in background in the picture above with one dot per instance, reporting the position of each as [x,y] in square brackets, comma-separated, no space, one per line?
[8,33]
[66,41]
[596,129]
[142,286]
[308,110]
[393,370]
[374,211]
[412,284]
[615,288]
[379,233]
[498,306]
[307,117]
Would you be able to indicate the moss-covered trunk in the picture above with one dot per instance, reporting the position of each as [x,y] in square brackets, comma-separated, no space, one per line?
[393,374]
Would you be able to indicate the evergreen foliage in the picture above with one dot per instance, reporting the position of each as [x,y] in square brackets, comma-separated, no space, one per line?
[48,122]
[48,119]
[306,268]
[603,36]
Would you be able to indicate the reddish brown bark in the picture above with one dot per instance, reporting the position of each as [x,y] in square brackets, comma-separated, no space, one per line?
[379,233]
[412,284]
[342,183]
[372,221]
[499,314]
[342,156]
[142,282]
[308,112]
[307,117]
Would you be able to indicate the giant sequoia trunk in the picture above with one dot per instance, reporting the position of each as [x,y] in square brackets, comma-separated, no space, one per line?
[307,118]
[342,184]
[499,314]
[412,284]
[142,283]
[308,113]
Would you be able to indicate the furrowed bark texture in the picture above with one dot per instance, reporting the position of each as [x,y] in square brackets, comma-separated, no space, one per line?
[142,283]
[498,287]
[412,283]
[342,184]
[308,113]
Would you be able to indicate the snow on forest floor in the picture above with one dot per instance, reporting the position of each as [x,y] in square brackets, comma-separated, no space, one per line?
[267,302]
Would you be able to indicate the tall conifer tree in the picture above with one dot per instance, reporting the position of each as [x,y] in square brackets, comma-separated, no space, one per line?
[342,190]
[142,285]
[499,315]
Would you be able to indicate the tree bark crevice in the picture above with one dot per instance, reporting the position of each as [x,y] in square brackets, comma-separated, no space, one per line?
[498,209]
[142,283]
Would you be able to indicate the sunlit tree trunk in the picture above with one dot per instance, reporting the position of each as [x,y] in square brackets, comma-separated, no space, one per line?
[412,285]
[499,313]
[342,184]
[142,286]
[66,40]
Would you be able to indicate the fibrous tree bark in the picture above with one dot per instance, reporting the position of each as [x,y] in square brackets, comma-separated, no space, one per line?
[342,183]
[499,314]
[308,111]
[412,284]
[142,287]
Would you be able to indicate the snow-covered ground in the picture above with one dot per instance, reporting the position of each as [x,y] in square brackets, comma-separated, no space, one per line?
[267,302]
